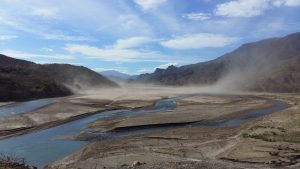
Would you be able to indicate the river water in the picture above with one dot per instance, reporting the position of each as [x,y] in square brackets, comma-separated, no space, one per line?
[22,107]
[43,147]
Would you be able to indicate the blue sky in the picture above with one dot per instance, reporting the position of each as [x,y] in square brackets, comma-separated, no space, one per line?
[137,36]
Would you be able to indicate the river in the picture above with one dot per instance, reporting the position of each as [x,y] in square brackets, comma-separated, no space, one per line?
[45,146]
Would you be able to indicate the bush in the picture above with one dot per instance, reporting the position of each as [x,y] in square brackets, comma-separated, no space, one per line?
[13,162]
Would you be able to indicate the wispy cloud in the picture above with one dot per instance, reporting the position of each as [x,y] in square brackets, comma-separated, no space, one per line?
[113,54]
[24,55]
[47,13]
[251,8]
[132,42]
[149,4]
[145,70]
[119,69]
[242,8]
[7,37]
[164,66]
[64,37]
[198,41]
[197,16]
[124,51]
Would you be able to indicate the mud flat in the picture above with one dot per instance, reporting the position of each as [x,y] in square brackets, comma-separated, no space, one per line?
[187,136]
[5,103]
[61,111]
[189,109]
[192,146]
[39,135]
[273,139]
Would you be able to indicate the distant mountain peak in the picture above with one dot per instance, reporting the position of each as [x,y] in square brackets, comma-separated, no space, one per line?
[114,74]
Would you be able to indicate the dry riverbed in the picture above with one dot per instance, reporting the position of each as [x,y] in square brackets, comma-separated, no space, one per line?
[63,110]
[266,142]
[192,147]
[273,139]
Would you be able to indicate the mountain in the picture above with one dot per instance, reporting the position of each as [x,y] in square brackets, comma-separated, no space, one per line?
[113,74]
[77,77]
[23,80]
[271,65]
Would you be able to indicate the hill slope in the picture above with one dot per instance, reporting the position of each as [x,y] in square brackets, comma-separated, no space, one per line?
[22,80]
[271,65]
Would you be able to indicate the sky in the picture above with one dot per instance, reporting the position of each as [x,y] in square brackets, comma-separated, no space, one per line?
[138,36]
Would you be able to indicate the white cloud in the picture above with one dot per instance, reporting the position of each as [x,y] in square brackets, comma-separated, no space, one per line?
[164,66]
[50,16]
[23,55]
[144,70]
[64,37]
[149,4]
[251,8]
[197,16]
[7,37]
[123,55]
[47,13]
[48,49]
[112,54]
[119,69]
[198,41]
[242,8]
[122,50]
[58,62]
[150,70]
[132,42]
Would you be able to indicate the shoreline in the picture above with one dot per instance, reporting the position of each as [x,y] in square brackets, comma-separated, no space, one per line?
[96,106]
[211,140]
[198,143]
[23,131]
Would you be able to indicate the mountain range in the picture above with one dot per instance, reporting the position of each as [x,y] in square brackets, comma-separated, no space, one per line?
[270,65]
[113,74]
[23,80]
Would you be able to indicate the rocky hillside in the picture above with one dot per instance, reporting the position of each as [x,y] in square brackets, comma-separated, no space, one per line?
[23,80]
[271,65]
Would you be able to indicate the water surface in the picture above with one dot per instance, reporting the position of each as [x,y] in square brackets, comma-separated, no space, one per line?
[23,107]
[43,147]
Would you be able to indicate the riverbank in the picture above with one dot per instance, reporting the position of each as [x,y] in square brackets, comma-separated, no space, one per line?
[273,139]
[61,111]
[191,146]
[74,107]
[159,138]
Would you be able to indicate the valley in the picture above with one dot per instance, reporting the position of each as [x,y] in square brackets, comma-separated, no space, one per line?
[238,111]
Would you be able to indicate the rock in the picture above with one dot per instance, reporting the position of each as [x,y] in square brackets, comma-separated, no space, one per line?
[136,163]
